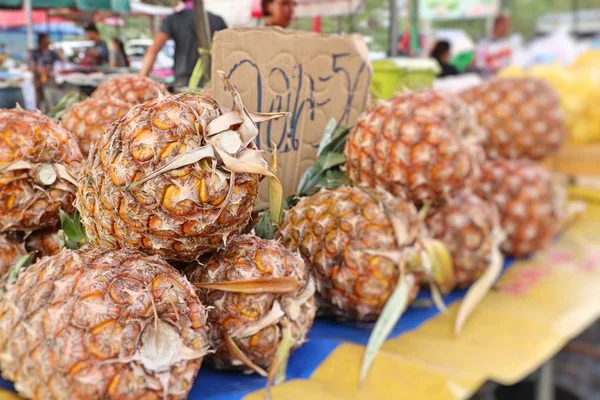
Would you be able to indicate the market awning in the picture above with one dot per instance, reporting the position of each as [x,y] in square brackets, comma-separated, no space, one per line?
[58,28]
[10,19]
[83,5]
[241,12]
[235,12]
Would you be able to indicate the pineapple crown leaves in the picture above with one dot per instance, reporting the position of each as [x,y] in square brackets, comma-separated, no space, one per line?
[20,264]
[64,104]
[72,234]
[479,289]
[255,286]
[389,317]
[326,172]
[265,228]
[200,70]
[437,261]
[278,366]
[235,351]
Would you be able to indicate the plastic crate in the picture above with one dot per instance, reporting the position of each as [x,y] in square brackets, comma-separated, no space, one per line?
[393,75]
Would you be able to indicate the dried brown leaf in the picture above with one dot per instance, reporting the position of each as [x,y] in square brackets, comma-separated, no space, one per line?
[239,354]
[256,286]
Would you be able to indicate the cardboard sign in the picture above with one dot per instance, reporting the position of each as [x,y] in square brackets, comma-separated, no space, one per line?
[313,77]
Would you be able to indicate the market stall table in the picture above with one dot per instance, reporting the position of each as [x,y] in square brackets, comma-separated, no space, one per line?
[536,307]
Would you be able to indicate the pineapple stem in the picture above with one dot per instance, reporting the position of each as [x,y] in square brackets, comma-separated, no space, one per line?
[275,190]
[389,317]
[45,175]
[21,264]
[278,367]
[441,268]
[478,290]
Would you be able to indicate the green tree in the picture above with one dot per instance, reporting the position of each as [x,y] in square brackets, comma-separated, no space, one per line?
[134,28]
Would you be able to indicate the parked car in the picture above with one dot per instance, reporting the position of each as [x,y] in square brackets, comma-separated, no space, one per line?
[583,24]
[136,48]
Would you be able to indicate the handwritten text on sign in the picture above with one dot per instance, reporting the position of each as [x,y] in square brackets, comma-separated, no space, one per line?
[300,98]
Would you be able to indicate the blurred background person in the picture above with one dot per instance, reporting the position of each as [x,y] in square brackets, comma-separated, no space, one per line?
[117,56]
[278,12]
[180,27]
[41,63]
[98,54]
[441,52]
[497,51]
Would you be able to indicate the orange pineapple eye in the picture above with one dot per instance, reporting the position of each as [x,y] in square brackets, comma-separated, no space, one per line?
[172,149]
[166,118]
[169,290]
[105,339]
[202,192]
[142,145]
[122,289]
[119,173]
[127,211]
[175,202]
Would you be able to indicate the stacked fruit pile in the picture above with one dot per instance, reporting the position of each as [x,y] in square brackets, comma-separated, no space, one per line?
[424,192]
[171,179]
[428,169]
[578,86]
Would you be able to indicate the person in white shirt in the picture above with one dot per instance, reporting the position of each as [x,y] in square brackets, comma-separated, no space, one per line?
[498,51]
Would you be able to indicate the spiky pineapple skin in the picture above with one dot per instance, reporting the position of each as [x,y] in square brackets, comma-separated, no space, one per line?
[88,119]
[83,325]
[26,204]
[180,214]
[133,89]
[10,251]
[521,116]
[414,146]
[248,257]
[333,228]
[529,203]
[468,226]
[45,242]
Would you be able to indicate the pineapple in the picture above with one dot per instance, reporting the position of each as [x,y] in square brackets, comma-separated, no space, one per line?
[44,242]
[99,324]
[10,251]
[175,176]
[522,117]
[133,89]
[39,161]
[531,206]
[247,324]
[88,119]
[470,228]
[345,235]
[422,145]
